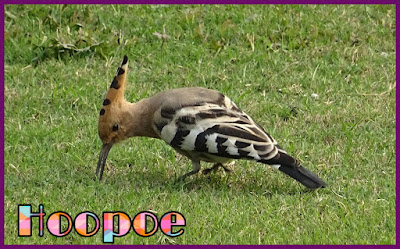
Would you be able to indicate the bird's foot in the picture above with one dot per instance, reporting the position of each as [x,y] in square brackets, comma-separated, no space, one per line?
[181,178]
[214,168]
[207,171]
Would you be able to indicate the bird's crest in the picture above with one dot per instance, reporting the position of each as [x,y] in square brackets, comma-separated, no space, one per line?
[117,87]
[110,113]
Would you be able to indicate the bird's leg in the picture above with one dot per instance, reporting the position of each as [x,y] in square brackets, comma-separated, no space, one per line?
[214,168]
[195,169]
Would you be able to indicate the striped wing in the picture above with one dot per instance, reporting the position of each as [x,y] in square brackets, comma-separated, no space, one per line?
[218,130]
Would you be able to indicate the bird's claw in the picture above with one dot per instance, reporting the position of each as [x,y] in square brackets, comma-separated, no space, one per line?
[214,168]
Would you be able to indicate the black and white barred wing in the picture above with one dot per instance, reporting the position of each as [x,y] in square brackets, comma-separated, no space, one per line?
[218,131]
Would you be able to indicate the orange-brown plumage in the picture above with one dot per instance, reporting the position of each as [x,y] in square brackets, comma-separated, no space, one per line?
[120,119]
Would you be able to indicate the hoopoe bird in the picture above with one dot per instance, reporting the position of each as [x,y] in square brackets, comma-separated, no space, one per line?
[200,123]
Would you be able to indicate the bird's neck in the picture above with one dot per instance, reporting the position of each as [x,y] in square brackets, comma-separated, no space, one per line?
[140,117]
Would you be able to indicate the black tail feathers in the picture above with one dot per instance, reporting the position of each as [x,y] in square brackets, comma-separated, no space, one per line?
[304,176]
[290,166]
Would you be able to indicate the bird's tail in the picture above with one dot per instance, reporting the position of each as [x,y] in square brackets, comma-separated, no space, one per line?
[292,168]
[304,176]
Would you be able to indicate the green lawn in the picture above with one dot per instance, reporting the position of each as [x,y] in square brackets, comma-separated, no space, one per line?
[320,79]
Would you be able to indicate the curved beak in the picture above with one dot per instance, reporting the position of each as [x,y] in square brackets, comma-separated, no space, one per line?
[102,160]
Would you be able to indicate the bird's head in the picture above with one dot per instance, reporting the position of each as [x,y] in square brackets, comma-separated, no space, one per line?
[113,118]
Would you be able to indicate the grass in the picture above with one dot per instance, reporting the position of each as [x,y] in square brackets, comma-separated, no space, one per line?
[270,60]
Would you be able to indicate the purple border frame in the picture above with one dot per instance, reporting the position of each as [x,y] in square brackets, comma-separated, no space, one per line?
[197,2]
[200,2]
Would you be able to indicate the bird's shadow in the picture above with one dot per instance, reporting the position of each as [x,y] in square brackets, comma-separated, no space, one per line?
[216,181]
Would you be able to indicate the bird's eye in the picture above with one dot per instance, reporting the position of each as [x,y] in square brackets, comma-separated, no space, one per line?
[115,127]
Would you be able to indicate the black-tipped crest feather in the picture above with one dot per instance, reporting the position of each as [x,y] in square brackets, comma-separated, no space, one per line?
[125,60]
